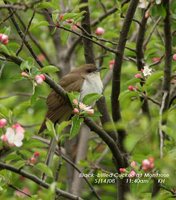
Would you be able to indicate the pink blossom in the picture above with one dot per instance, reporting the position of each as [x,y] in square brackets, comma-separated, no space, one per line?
[90,111]
[133,164]
[156,59]
[82,106]
[87,109]
[148,164]
[14,135]
[147,14]
[3,122]
[174,57]
[24,74]
[4,39]
[69,21]
[122,170]
[75,110]
[41,57]
[32,160]
[75,102]
[4,138]
[138,76]
[75,27]
[111,64]
[131,88]
[18,128]
[132,174]
[99,31]
[39,78]
[36,154]
[61,16]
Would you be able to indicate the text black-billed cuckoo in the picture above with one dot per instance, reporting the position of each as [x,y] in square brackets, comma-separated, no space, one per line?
[85,80]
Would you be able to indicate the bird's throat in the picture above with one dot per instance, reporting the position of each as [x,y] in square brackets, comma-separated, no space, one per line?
[91,84]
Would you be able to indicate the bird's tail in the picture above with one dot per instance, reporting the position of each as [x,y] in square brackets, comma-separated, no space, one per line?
[42,127]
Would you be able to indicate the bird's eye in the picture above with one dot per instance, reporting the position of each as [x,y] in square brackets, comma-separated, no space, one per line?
[89,70]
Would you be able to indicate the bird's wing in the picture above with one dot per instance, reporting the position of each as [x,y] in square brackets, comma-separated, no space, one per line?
[57,105]
[69,83]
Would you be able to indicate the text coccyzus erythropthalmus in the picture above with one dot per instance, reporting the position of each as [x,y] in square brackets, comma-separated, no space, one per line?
[85,80]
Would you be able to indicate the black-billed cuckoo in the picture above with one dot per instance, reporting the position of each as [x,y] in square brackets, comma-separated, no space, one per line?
[85,80]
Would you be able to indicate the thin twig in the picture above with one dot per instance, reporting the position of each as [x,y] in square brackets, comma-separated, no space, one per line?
[21,191]
[2,68]
[161,134]
[152,31]
[86,37]
[27,29]
[6,18]
[34,40]
[21,34]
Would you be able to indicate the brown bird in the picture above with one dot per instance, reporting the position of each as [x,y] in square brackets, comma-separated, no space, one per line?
[85,80]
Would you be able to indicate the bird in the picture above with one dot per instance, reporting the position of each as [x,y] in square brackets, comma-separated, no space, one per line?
[85,80]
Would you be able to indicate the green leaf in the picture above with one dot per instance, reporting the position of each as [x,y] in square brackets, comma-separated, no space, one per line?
[20,163]
[128,95]
[76,123]
[46,5]
[49,69]
[91,98]
[21,108]
[44,168]
[4,112]
[74,16]
[7,30]
[41,23]
[4,48]
[73,95]
[25,66]
[35,95]
[158,10]
[13,156]
[50,127]
[60,127]
[154,77]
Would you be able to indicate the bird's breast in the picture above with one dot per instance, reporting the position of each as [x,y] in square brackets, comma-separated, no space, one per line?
[91,84]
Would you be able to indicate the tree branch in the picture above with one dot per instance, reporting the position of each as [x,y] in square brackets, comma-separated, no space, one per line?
[168,54]
[118,60]
[85,23]
[37,181]
[140,55]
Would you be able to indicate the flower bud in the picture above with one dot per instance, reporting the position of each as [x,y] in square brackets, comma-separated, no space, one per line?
[4,39]
[39,78]
[75,110]
[132,174]
[111,64]
[99,31]
[138,76]
[131,88]
[75,102]
[36,154]
[122,170]
[24,74]
[3,122]
[174,57]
